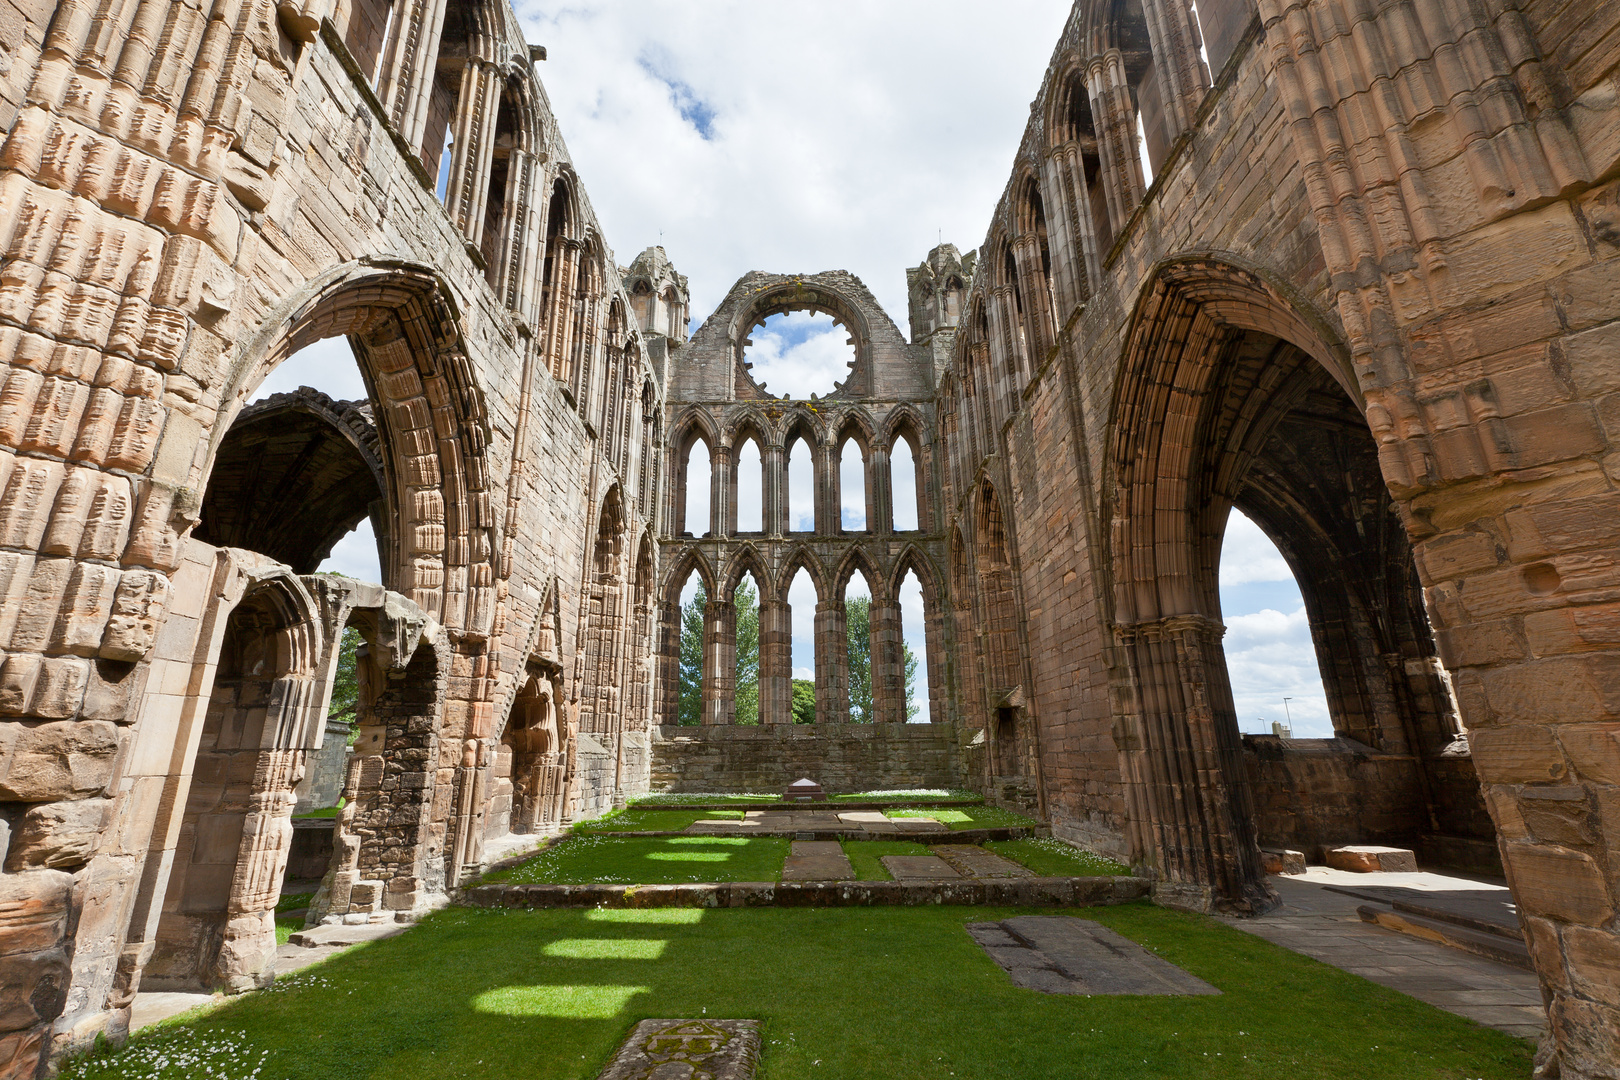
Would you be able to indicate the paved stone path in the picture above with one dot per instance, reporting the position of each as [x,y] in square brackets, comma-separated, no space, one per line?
[817,860]
[1323,924]
[1064,955]
[972,861]
[918,868]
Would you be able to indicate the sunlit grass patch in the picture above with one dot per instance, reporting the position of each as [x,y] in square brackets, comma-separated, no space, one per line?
[1050,857]
[607,948]
[562,1002]
[641,820]
[672,860]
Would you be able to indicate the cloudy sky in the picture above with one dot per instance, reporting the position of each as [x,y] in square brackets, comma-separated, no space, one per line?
[843,135]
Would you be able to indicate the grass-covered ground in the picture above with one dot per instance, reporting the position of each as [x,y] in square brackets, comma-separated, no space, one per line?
[920,795]
[674,860]
[286,924]
[968,817]
[866,855]
[639,819]
[844,994]
[1053,858]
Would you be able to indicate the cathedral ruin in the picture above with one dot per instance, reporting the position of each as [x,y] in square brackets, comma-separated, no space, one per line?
[1351,268]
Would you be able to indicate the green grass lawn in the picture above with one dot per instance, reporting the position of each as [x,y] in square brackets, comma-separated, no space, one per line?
[702,798]
[844,994]
[919,795]
[1053,858]
[864,856]
[968,817]
[288,925]
[671,860]
[637,819]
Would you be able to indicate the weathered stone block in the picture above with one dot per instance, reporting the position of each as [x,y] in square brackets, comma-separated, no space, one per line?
[57,835]
[1557,883]
[1370,858]
[55,761]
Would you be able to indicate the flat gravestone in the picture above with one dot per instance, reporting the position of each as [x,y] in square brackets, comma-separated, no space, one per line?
[917,867]
[918,824]
[687,1050]
[817,860]
[1062,955]
[975,862]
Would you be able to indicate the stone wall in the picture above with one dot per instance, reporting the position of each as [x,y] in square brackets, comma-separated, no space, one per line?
[841,758]
[1315,793]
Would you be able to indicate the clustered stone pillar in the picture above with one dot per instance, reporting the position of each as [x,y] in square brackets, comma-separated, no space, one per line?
[832,662]
[888,661]
[774,513]
[666,709]
[879,485]
[721,511]
[719,662]
[775,662]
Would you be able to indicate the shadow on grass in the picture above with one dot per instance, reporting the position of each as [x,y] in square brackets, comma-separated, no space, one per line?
[852,993]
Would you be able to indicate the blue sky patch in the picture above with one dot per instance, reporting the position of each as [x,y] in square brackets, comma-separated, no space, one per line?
[693,109]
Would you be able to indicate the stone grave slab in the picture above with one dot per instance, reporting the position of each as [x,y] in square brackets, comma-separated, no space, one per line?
[918,867]
[1062,955]
[1371,858]
[817,860]
[687,1050]
[973,861]
[918,825]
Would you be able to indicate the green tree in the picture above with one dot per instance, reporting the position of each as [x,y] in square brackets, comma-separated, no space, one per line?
[804,701]
[858,612]
[912,708]
[747,605]
[345,684]
[689,711]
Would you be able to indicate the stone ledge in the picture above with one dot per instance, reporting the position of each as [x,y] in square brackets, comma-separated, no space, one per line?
[1019,892]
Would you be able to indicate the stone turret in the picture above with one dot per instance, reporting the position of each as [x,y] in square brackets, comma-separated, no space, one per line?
[658,295]
[937,289]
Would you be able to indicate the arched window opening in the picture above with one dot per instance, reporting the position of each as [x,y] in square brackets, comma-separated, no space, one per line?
[1221,25]
[1269,654]
[953,300]
[695,477]
[368,34]
[694,604]
[858,626]
[1088,196]
[291,485]
[798,354]
[1018,354]
[748,486]
[556,274]
[1033,224]
[641,302]
[852,486]
[801,486]
[745,609]
[801,597]
[503,208]
[905,485]
[914,633]
[1141,75]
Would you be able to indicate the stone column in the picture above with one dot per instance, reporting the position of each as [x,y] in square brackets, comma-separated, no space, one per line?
[1183,757]
[888,662]
[719,662]
[829,511]
[667,708]
[879,492]
[775,662]
[722,511]
[832,663]
[247,950]
[774,515]
[934,634]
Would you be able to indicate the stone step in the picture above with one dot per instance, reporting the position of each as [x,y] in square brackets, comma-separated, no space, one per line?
[1490,945]
[1485,918]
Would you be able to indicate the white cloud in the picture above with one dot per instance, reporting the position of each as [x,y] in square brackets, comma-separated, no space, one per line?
[328,366]
[355,555]
[1269,653]
[797,354]
[1248,555]
[748,136]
